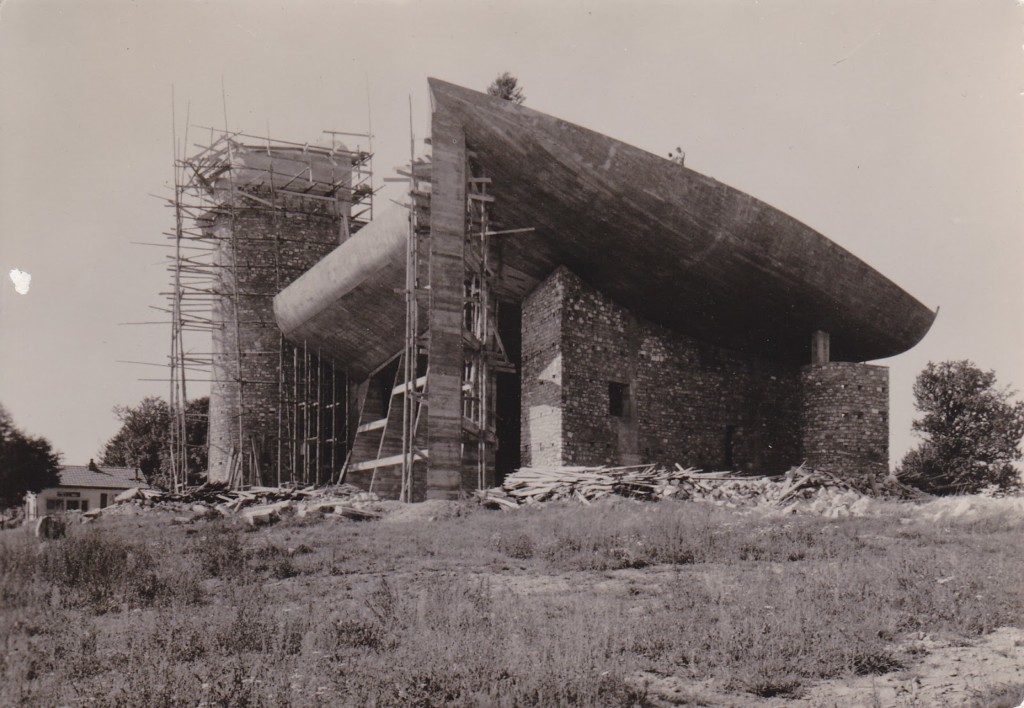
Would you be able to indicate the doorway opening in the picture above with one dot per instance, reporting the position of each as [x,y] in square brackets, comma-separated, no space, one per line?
[507,393]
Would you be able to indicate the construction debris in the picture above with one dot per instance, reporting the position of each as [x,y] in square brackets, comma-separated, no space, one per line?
[814,491]
[257,505]
[817,490]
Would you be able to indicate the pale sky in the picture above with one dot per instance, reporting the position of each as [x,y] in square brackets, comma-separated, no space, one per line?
[894,128]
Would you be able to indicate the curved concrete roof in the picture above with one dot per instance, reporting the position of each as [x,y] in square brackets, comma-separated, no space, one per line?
[675,246]
[350,304]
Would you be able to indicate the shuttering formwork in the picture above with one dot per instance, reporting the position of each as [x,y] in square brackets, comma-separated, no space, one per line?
[451,274]
[251,215]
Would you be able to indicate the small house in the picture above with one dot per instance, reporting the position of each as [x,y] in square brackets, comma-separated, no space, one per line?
[81,488]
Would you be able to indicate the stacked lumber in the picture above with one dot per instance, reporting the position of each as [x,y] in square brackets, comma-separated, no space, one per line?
[533,484]
[257,505]
[818,490]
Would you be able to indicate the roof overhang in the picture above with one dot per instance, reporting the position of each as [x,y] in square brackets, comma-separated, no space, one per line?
[676,247]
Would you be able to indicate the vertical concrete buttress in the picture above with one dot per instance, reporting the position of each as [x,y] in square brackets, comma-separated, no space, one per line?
[447,276]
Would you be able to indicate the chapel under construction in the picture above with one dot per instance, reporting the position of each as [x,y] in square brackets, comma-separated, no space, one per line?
[546,295]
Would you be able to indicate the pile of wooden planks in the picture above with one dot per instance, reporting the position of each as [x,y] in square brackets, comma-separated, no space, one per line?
[530,485]
[533,484]
[257,505]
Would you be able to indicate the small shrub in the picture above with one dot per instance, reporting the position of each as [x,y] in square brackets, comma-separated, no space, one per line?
[267,552]
[219,552]
[519,546]
[19,565]
[383,603]
[1007,695]
[774,687]
[103,573]
[289,637]
[233,687]
[283,568]
[360,634]
[248,631]
[875,662]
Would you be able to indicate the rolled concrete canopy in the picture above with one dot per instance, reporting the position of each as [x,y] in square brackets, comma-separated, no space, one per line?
[678,248]
[350,305]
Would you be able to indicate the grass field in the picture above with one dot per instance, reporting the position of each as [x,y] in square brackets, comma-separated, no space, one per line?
[450,604]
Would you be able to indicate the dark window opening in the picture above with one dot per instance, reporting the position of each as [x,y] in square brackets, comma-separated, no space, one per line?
[618,396]
[103,501]
[382,385]
[508,393]
[730,433]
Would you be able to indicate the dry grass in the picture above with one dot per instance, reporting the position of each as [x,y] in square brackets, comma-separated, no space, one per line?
[555,605]
[999,696]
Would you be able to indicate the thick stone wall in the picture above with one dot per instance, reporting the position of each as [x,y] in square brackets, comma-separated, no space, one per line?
[680,400]
[269,250]
[541,385]
[845,418]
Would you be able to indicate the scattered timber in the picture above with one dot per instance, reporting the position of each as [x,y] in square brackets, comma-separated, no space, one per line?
[816,491]
[531,485]
[257,505]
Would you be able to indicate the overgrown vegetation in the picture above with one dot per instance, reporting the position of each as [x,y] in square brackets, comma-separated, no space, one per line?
[144,439]
[506,86]
[27,463]
[972,431]
[550,606]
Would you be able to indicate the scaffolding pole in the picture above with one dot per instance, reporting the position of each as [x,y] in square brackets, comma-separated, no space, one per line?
[413,399]
[207,247]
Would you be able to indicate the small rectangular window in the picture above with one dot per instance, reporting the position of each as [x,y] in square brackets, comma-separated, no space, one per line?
[618,399]
[71,504]
[54,505]
[103,501]
[730,436]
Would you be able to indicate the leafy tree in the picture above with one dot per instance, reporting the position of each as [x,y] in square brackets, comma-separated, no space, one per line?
[27,464]
[972,431]
[507,86]
[144,439]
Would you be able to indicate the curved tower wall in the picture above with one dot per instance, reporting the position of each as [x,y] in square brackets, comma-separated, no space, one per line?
[268,398]
[845,418]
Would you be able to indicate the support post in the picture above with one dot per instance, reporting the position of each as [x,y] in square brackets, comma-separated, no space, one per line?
[447,276]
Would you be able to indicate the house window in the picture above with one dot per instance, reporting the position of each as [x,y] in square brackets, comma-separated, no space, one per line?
[72,504]
[103,501]
[618,399]
[54,505]
[85,505]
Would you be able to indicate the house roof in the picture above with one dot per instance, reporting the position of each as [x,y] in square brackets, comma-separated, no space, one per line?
[106,477]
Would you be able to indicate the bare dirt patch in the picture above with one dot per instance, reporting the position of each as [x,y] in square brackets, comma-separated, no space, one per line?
[946,673]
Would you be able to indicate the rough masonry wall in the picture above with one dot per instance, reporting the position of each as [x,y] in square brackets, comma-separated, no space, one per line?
[685,401]
[845,418]
[542,397]
[269,250]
